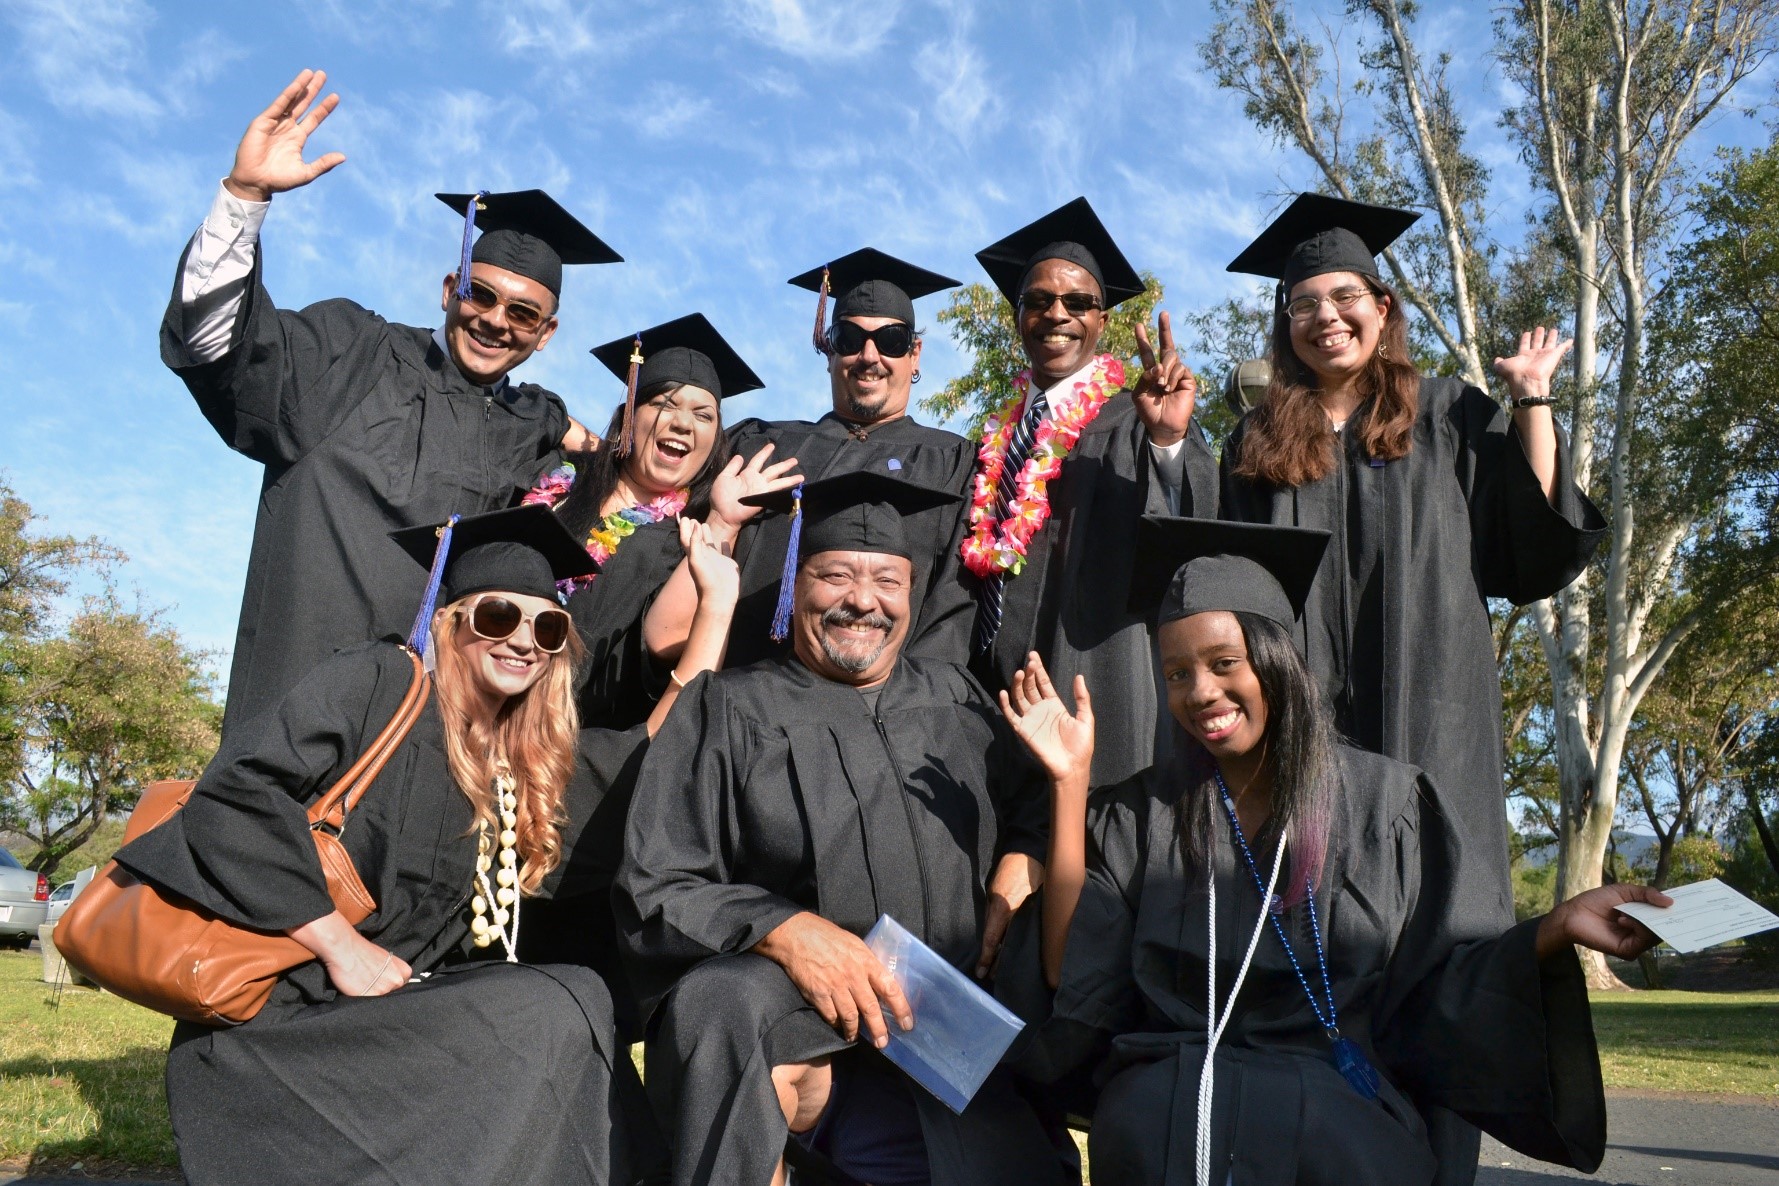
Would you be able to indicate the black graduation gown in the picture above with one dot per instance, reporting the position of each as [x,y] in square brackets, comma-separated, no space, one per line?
[771,791]
[930,457]
[1070,603]
[486,1071]
[1397,626]
[1449,1011]
[364,427]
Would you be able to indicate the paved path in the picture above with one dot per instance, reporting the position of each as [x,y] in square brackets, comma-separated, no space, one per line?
[1656,1138]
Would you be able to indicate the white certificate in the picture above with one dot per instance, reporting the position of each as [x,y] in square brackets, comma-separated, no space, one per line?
[1703,915]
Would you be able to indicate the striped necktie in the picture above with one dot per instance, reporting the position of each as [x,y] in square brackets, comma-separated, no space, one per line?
[992,600]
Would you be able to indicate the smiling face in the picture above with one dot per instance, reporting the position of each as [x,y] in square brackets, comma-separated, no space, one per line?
[1212,689]
[851,614]
[675,431]
[1059,343]
[499,670]
[483,344]
[1336,344]
[867,387]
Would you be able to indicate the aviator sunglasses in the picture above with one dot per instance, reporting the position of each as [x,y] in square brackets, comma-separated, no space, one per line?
[1036,300]
[495,618]
[521,316]
[893,340]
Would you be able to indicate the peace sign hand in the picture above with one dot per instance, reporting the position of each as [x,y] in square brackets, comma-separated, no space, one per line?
[1167,391]
[269,159]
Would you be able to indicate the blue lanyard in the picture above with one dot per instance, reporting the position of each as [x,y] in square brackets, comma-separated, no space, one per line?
[1354,1067]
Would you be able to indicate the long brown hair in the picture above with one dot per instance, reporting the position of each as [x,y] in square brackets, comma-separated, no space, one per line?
[535,730]
[1288,441]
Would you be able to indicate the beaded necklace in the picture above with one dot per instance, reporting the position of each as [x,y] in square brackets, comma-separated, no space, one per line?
[497,905]
[1348,1059]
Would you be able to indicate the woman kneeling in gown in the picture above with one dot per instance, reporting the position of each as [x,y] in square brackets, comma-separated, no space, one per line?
[1367,981]
[412,1049]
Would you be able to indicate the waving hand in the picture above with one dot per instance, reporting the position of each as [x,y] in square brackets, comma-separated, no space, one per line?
[269,159]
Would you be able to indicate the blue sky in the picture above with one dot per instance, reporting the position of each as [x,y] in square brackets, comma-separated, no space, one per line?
[720,147]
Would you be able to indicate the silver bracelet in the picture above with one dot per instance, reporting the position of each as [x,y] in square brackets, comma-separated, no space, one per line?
[1533,401]
[387,960]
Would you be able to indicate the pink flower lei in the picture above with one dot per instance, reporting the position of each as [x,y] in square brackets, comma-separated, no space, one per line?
[999,546]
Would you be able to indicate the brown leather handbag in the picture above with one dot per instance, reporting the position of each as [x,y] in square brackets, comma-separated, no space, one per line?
[175,957]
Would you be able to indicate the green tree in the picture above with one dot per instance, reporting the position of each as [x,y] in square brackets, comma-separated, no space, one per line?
[113,702]
[981,323]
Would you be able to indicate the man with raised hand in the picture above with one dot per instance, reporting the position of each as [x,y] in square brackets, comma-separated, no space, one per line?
[1069,466]
[781,810]
[364,426]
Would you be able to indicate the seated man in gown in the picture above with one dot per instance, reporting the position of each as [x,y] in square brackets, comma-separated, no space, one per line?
[782,809]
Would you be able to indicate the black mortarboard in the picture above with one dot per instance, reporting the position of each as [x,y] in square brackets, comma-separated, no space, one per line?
[1071,232]
[1317,234]
[860,511]
[869,284]
[1193,566]
[522,550]
[525,232]
[685,350]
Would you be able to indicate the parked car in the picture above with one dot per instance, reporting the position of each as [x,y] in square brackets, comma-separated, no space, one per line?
[24,902]
[58,901]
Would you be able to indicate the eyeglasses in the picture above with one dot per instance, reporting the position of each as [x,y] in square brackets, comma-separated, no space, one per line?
[1304,307]
[521,315]
[893,339]
[496,619]
[1036,300]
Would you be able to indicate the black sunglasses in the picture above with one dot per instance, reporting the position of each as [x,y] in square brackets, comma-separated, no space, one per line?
[495,618]
[1036,300]
[894,339]
[521,316]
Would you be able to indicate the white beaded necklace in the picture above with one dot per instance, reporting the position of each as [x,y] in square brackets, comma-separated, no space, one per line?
[503,900]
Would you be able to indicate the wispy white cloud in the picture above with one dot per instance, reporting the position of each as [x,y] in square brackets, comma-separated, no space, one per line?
[83,56]
[814,30]
[667,109]
[388,24]
[962,100]
[558,29]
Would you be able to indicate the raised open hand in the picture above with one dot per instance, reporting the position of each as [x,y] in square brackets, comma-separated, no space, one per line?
[714,571]
[1527,374]
[269,159]
[1062,743]
[1168,390]
[739,480]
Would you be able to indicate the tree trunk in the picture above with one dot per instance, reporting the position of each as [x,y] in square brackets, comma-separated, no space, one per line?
[1761,827]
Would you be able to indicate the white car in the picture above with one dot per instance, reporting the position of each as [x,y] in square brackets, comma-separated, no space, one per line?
[59,899]
[24,902]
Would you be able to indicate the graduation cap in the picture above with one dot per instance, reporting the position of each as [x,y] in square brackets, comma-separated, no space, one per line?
[1317,234]
[860,511]
[685,350]
[1193,566]
[870,284]
[1071,232]
[525,232]
[522,550]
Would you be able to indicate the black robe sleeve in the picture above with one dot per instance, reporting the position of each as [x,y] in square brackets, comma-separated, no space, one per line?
[279,390]
[1480,1025]
[241,847]
[1068,1029]
[1527,546]
[622,681]
[677,899]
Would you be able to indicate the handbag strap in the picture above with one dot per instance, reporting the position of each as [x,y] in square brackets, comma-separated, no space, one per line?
[331,809]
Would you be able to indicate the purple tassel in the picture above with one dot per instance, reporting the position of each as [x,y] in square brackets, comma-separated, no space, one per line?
[469,240]
[787,581]
[421,635]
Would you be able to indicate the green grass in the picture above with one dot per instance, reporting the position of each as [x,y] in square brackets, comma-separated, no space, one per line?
[1689,1041]
[79,1080]
[82,1081]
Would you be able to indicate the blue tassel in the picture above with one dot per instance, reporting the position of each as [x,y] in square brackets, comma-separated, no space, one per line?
[421,635]
[787,581]
[469,240]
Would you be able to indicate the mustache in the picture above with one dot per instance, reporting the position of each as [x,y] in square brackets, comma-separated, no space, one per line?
[841,616]
[868,370]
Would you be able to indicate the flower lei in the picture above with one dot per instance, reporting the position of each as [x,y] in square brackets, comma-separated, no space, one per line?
[610,531]
[993,546]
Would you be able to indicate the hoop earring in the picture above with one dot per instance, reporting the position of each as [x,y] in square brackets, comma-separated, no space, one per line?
[1383,350]
[915,378]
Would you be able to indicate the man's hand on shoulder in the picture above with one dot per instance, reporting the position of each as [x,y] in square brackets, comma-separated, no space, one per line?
[269,159]
[579,438]
[838,975]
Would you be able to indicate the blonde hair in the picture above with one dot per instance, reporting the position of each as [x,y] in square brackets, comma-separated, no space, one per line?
[535,731]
